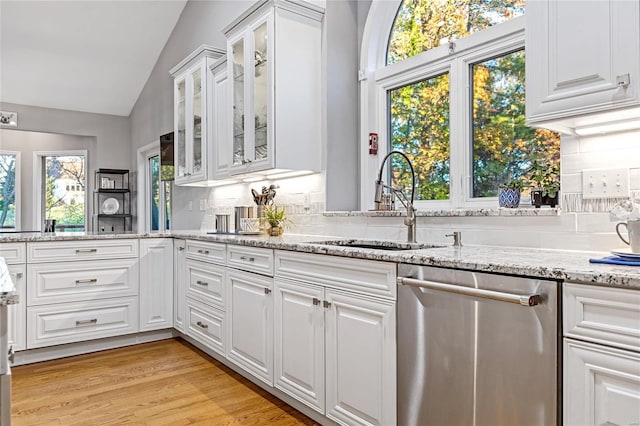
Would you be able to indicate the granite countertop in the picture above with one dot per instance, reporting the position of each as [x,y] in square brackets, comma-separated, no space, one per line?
[552,264]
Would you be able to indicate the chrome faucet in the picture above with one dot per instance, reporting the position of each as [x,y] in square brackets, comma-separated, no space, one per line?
[410,220]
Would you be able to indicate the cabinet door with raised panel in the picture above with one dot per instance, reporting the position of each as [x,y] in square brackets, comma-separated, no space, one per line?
[299,342]
[250,309]
[360,359]
[17,314]
[156,283]
[180,285]
[571,71]
[601,385]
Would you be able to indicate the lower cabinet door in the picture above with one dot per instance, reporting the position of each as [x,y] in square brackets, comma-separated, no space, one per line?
[17,314]
[250,310]
[79,321]
[299,340]
[206,325]
[601,385]
[360,359]
[156,283]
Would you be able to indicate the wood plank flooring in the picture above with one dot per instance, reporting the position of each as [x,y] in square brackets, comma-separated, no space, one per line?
[161,383]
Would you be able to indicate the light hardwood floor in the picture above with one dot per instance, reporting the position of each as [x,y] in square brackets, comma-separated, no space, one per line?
[161,383]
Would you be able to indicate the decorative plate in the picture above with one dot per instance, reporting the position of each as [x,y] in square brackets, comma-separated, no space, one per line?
[110,206]
[627,254]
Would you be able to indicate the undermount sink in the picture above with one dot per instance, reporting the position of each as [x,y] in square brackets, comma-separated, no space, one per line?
[376,245]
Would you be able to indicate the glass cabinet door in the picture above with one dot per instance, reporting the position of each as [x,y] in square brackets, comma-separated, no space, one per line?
[196,78]
[181,152]
[238,102]
[260,91]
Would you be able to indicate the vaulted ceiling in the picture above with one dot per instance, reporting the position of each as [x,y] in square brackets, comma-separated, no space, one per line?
[88,55]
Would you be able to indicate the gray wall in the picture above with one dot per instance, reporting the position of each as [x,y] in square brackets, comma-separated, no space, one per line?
[201,22]
[26,143]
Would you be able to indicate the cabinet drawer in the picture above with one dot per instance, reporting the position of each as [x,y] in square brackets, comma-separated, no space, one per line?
[208,252]
[66,251]
[70,282]
[206,283]
[252,259]
[206,325]
[364,276]
[13,252]
[603,315]
[75,322]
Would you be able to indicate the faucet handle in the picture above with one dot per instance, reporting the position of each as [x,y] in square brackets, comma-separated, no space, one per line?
[457,238]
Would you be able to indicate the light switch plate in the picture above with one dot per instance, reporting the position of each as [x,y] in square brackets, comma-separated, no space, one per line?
[605,183]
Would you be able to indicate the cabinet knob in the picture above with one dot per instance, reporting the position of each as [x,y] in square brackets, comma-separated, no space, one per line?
[181,248]
[267,290]
[326,304]
[316,301]
[202,325]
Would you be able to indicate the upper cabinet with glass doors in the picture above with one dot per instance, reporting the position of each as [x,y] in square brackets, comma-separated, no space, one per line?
[191,144]
[274,71]
[579,80]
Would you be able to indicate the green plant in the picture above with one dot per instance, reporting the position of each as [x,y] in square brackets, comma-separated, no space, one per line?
[546,178]
[514,183]
[276,216]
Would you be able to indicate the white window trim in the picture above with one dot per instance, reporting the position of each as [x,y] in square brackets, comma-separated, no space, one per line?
[144,154]
[18,171]
[38,220]
[376,78]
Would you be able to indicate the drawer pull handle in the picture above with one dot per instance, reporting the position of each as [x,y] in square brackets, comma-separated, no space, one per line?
[204,283]
[93,250]
[201,325]
[85,322]
[87,281]
[203,251]
[250,259]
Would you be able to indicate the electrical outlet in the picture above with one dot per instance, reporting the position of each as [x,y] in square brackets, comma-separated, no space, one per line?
[190,206]
[203,205]
[605,183]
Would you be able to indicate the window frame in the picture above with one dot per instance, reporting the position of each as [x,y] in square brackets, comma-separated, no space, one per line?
[18,172]
[38,211]
[145,153]
[377,78]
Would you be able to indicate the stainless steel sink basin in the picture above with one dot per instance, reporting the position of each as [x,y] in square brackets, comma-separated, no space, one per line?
[376,245]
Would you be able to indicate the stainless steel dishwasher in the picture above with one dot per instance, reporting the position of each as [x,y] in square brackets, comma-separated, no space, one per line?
[476,348]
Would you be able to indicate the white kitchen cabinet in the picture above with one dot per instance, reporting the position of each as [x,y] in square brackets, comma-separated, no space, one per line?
[179,285]
[250,313]
[300,342]
[360,359]
[275,98]
[219,123]
[602,385]
[335,337]
[602,369]
[191,144]
[17,314]
[156,283]
[583,62]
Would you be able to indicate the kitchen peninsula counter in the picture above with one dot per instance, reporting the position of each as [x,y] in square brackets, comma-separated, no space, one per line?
[543,263]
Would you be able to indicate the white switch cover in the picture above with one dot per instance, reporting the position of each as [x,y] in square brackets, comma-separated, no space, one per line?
[605,183]
[203,205]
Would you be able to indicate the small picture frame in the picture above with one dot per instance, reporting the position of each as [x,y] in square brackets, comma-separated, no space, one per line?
[8,119]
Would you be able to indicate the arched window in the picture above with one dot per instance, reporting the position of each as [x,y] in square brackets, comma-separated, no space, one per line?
[448,90]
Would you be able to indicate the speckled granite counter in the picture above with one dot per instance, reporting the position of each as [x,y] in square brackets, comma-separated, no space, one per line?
[553,264]
[18,237]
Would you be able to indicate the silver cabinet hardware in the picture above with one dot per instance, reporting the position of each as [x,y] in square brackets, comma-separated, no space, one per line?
[19,275]
[623,80]
[204,283]
[202,325]
[203,251]
[316,301]
[87,281]
[518,299]
[181,248]
[250,259]
[93,250]
[267,290]
[85,322]
[326,304]
[457,238]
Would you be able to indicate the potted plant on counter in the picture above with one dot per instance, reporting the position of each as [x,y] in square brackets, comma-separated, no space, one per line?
[547,184]
[277,219]
[509,193]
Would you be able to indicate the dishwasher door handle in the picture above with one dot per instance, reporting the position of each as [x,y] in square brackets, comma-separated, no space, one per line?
[518,299]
